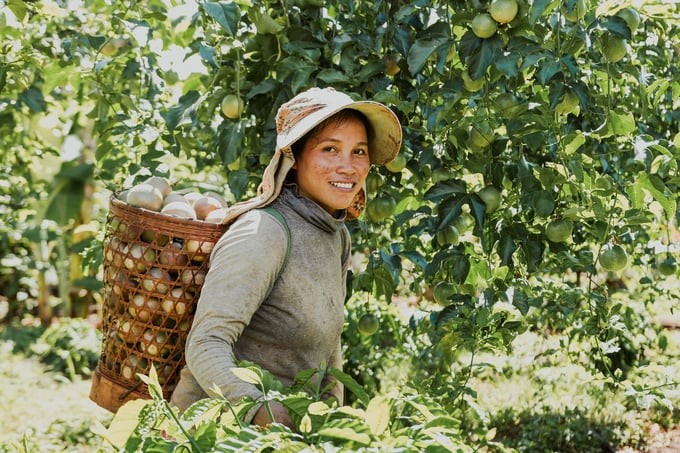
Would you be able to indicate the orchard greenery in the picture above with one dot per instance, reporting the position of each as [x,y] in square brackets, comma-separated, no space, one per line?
[567,115]
[394,422]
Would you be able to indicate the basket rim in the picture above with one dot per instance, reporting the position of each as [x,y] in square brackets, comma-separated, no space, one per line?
[169,224]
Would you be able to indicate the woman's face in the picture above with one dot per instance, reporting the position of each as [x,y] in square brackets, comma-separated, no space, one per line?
[333,164]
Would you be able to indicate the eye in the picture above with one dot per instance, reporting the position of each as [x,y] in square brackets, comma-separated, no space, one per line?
[328,149]
[361,152]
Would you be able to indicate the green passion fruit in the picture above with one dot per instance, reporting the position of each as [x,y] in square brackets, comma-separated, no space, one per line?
[559,230]
[613,257]
[368,324]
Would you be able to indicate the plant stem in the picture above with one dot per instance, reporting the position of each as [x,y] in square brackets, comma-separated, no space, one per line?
[174,417]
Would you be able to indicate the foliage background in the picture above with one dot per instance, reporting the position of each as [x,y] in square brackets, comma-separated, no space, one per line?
[95,95]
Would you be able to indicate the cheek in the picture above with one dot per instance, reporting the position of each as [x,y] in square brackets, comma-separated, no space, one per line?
[363,170]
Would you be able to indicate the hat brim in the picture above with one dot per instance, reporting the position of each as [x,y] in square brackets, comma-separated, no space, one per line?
[386,135]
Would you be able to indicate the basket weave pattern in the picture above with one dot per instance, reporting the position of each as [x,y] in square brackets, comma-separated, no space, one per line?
[154,267]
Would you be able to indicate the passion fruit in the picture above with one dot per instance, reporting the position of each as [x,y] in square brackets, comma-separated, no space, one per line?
[668,266]
[559,230]
[397,164]
[483,26]
[448,235]
[232,106]
[368,324]
[613,257]
[613,48]
[491,198]
[503,11]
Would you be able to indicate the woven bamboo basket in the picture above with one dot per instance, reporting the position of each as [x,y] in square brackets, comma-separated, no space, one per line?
[154,267]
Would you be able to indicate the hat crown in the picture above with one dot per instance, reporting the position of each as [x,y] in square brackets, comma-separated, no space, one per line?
[306,103]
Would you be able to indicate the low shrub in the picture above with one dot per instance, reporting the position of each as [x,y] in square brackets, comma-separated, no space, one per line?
[70,346]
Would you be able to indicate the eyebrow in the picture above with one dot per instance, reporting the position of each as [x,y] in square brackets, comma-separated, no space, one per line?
[335,140]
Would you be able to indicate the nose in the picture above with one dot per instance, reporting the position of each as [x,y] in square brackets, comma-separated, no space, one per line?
[345,164]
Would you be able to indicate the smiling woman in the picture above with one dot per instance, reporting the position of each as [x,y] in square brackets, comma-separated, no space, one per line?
[332,160]
[275,291]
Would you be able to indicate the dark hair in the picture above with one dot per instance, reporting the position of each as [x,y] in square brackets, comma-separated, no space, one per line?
[338,118]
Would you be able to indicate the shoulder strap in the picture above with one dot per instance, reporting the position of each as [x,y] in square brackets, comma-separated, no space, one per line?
[277,215]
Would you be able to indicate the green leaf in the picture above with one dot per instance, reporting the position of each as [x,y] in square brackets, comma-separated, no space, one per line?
[175,115]
[332,76]
[506,248]
[444,189]
[383,281]
[415,257]
[548,70]
[18,7]
[34,99]
[208,55]
[615,25]
[94,42]
[65,200]
[573,142]
[350,384]
[369,71]
[621,122]
[490,49]
[295,72]
[227,14]
[509,64]
[656,188]
[238,182]
[156,444]
[203,410]
[442,421]
[533,248]
[76,171]
[420,51]
[205,436]
[90,283]
[230,141]
[537,9]
[303,377]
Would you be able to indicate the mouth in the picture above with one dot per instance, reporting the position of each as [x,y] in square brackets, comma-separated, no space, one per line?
[343,185]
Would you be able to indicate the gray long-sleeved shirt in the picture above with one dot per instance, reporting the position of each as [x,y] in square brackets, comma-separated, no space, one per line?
[285,324]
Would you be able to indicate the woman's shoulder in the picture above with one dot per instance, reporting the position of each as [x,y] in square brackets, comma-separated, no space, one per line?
[260,221]
[254,232]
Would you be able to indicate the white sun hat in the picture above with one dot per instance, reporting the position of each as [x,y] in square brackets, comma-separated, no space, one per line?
[299,116]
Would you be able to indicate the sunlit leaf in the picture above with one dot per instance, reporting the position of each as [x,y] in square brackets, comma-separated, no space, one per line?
[124,423]
[305,424]
[378,414]
[346,434]
[152,383]
[318,408]
[247,375]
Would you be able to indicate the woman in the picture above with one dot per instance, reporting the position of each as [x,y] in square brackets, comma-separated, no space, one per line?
[275,291]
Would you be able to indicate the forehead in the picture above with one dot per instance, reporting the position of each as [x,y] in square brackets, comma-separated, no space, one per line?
[336,122]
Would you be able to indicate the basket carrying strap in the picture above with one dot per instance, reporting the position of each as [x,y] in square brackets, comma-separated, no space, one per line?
[277,215]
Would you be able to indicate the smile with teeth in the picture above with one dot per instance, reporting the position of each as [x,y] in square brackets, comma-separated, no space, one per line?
[342,185]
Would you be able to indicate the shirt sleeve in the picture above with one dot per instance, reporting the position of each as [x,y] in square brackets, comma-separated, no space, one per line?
[244,266]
